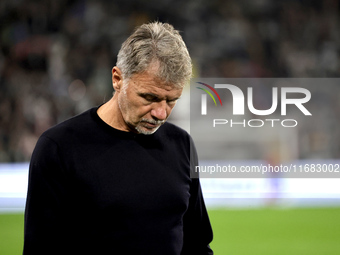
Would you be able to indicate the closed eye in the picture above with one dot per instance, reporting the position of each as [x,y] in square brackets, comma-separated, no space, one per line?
[150,97]
[172,101]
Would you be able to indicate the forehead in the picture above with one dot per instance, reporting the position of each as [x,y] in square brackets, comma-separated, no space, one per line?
[146,82]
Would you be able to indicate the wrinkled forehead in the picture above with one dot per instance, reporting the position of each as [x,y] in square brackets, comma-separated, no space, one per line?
[156,74]
[150,79]
[147,82]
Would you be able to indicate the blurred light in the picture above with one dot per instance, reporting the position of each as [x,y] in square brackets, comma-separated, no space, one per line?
[13,186]
[77,90]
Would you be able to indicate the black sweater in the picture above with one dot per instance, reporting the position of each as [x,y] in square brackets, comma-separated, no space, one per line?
[97,190]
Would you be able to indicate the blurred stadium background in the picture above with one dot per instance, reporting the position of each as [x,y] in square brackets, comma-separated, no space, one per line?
[56,59]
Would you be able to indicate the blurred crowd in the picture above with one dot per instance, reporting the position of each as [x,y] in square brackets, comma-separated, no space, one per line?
[56,56]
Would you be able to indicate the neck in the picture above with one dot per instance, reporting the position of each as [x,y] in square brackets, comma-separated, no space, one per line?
[111,115]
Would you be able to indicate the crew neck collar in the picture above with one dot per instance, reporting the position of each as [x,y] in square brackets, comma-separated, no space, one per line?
[113,130]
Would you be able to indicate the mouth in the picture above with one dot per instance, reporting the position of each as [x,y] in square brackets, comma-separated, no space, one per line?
[151,124]
[148,127]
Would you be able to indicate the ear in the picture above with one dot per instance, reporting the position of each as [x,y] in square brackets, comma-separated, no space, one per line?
[117,79]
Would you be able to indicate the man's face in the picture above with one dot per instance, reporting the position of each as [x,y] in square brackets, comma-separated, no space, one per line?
[146,102]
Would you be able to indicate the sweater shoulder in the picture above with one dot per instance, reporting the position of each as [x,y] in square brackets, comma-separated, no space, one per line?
[70,127]
[173,132]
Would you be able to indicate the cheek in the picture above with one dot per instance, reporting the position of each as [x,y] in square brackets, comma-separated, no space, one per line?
[144,112]
[127,107]
[134,111]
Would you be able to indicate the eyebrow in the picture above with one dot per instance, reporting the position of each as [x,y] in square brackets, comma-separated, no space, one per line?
[156,97]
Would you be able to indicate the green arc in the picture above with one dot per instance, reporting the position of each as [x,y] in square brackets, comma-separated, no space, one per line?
[208,94]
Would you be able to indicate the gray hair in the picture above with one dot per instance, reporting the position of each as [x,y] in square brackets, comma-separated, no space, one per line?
[160,44]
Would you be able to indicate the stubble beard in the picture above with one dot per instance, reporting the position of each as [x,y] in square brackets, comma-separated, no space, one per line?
[140,128]
[146,131]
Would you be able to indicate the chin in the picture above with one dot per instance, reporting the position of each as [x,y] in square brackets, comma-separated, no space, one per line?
[145,131]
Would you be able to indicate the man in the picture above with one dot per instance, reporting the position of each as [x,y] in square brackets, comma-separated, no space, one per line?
[105,182]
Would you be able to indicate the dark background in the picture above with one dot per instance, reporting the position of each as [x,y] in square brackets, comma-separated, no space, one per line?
[56,56]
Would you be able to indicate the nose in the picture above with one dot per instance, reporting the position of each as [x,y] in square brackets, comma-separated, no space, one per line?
[159,111]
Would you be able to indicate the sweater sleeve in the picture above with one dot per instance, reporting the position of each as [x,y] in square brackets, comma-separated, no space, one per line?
[196,225]
[46,205]
[197,229]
